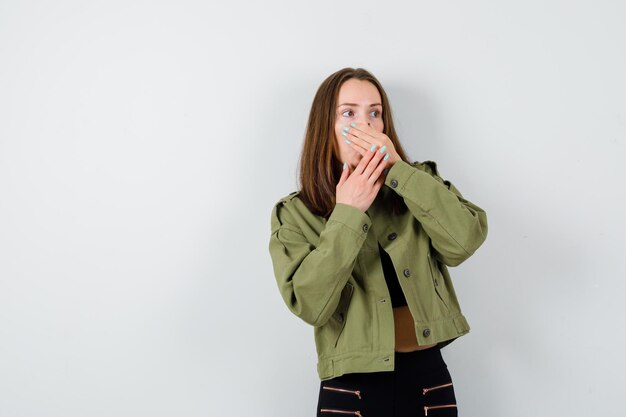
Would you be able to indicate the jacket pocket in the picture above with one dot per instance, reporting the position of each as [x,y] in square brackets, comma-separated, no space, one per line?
[340,315]
[436,276]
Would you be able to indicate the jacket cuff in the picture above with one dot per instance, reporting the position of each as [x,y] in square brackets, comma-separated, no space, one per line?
[352,217]
[398,175]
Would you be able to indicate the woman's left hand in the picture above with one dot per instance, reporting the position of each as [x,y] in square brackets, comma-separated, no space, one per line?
[363,136]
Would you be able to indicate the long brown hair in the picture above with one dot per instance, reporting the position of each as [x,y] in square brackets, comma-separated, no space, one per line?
[319,165]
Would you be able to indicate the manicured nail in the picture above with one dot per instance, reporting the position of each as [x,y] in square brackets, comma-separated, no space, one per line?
[386,156]
[344,133]
[373,148]
[353,124]
[383,149]
[345,165]
[346,128]
[347,141]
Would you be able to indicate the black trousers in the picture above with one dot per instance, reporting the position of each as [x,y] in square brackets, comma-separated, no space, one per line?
[420,385]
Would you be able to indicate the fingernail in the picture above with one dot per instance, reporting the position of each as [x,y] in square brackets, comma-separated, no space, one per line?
[373,148]
[346,128]
[347,141]
[353,124]
[386,156]
[345,165]
[344,133]
[383,149]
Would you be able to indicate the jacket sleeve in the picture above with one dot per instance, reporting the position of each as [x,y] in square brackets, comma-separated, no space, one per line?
[310,279]
[456,226]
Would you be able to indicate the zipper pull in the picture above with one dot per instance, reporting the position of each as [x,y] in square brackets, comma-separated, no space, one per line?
[357,392]
[425,390]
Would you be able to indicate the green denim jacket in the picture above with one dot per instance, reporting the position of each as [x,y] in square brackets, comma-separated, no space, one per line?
[330,275]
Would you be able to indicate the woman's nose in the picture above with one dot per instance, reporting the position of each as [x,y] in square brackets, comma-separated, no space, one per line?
[363,120]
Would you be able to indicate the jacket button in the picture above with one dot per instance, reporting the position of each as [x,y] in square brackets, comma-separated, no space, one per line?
[426,332]
[392,236]
[365,227]
[407,272]
[394,183]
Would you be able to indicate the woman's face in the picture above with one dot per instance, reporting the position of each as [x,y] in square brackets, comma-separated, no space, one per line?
[358,101]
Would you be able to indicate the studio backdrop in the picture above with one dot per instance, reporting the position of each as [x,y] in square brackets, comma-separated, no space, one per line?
[143,145]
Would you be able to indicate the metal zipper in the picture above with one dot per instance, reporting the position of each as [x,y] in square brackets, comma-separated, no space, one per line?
[357,393]
[425,390]
[426,407]
[356,413]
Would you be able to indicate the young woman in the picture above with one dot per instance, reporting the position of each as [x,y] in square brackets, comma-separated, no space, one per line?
[361,252]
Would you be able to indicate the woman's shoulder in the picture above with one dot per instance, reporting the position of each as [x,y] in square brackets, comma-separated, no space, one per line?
[285,210]
[289,200]
[289,196]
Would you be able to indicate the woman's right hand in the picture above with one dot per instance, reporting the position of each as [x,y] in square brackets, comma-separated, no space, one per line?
[359,188]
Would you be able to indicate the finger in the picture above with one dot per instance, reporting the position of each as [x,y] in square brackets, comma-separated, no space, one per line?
[366,132]
[357,148]
[373,163]
[348,139]
[360,139]
[344,174]
[367,156]
[379,183]
[369,134]
[376,186]
[382,165]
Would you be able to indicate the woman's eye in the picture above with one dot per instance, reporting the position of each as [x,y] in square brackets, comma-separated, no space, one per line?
[373,111]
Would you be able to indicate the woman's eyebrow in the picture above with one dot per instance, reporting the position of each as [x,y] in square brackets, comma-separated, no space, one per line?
[354,104]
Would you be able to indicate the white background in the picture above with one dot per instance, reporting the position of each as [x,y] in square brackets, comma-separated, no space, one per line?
[143,144]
